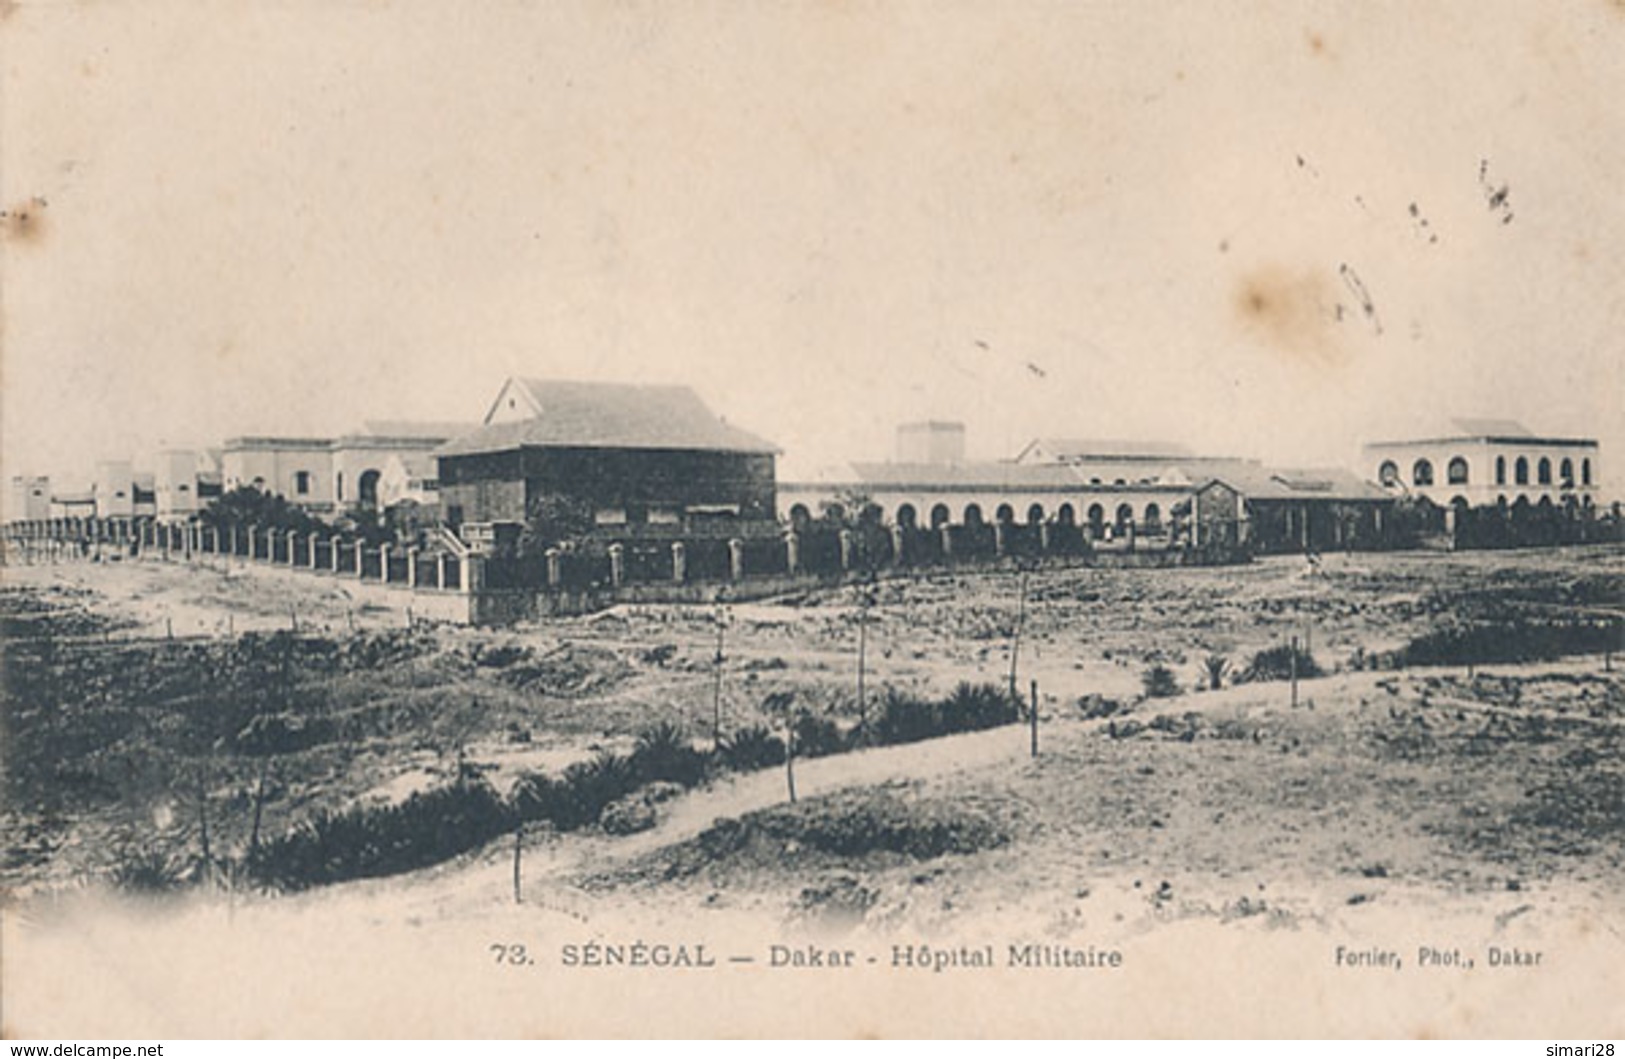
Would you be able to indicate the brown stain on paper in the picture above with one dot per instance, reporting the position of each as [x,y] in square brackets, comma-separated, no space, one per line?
[24,223]
[1293,311]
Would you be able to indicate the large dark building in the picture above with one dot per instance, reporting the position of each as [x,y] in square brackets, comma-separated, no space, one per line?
[573,458]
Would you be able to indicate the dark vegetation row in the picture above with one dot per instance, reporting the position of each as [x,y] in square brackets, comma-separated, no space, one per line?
[429,827]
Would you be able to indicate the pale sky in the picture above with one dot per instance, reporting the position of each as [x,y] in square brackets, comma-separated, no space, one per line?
[827,218]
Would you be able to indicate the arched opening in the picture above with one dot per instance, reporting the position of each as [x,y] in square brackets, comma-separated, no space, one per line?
[1501,505]
[939,516]
[871,515]
[1459,503]
[1388,473]
[1520,507]
[906,516]
[369,488]
[258,483]
[1065,515]
[1456,471]
[1035,514]
[1500,470]
[1124,519]
[973,514]
[1565,472]
[1097,520]
[1005,514]
[1585,471]
[799,515]
[1543,471]
[1153,518]
[1422,473]
[834,511]
[1520,471]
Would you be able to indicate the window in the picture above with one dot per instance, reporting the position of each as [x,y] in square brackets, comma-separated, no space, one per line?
[973,514]
[1153,518]
[1125,517]
[1035,514]
[1520,471]
[906,516]
[301,483]
[939,515]
[183,488]
[1456,472]
[338,486]
[1005,514]
[1388,473]
[1500,470]
[1565,471]
[1422,473]
[1544,471]
[1585,471]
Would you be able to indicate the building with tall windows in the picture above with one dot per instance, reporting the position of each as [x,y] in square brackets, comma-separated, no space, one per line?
[326,475]
[1490,463]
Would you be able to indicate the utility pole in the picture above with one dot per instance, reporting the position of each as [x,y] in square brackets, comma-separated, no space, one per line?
[1015,639]
[1034,712]
[716,687]
[1293,662]
[865,599]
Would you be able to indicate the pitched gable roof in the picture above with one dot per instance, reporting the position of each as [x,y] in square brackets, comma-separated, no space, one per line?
[1257,482]
[610,415]
[1069,449]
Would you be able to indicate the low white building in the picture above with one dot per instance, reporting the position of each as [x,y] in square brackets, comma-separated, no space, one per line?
[1489,462]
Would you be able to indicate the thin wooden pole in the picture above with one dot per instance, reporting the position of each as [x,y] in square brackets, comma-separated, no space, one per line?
[518,848]
[790,756]
[1034,713]
[1293,662]
[716,686]
[863,645]
[1015,639]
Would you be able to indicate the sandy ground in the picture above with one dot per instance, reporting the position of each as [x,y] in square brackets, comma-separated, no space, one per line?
[1251,863]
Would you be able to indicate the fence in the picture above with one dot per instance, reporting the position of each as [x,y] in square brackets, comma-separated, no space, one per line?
[591,574]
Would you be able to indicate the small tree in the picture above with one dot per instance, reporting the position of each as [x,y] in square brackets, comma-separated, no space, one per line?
[1159,683]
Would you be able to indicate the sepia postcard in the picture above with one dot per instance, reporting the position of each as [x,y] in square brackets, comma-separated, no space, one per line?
[931,518]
